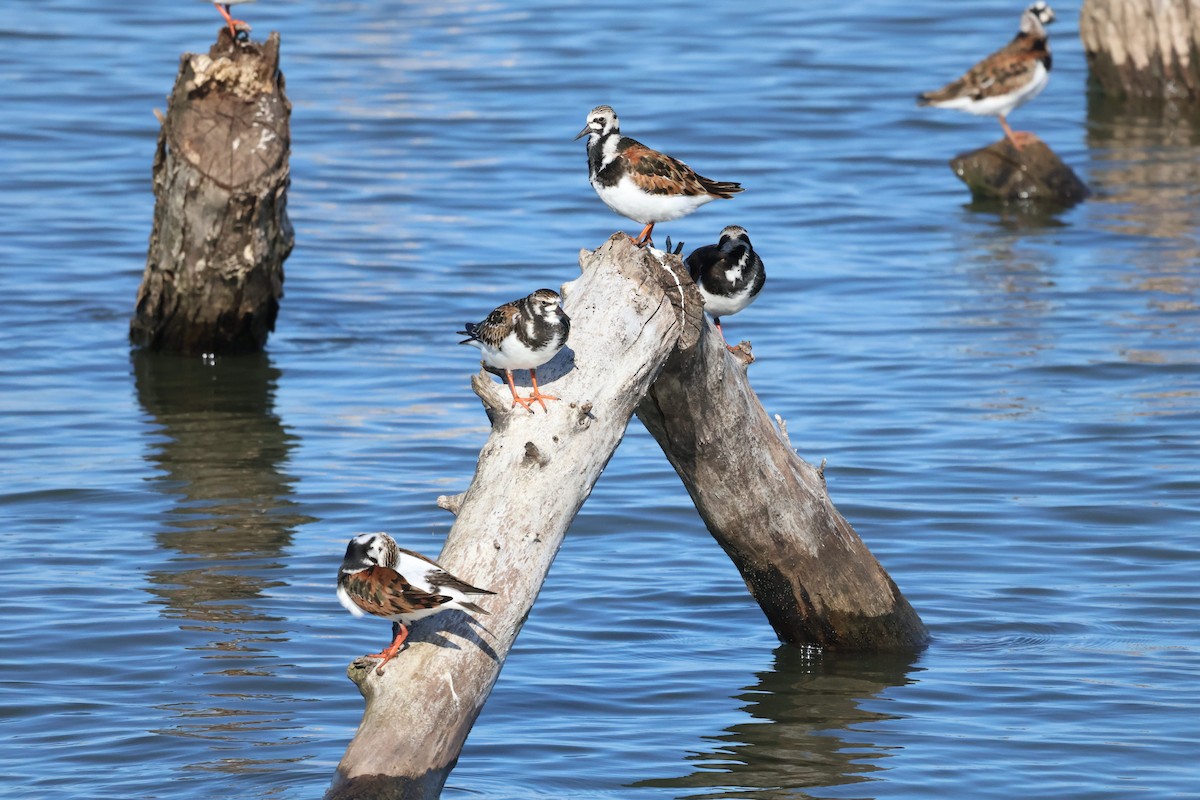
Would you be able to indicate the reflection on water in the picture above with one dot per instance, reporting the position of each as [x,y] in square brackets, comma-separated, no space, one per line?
[807,728]
[1147,161]
[221,451]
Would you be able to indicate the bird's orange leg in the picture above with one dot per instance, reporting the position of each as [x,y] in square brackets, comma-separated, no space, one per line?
[644,237]
[537,393]
[516,397]
[718,324]
[235,25]
[1018,138]
[394,648]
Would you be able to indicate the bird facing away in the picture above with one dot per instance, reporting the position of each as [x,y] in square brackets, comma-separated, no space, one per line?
[1007,78]
[378,577]
[235,25]
[643,184]
[729,274]
[523,334]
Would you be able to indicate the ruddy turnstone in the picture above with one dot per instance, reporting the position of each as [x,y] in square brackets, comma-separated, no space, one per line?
[523,334]
[643,184]
[378,577]
[729,274]
[1007,78]
[235,25]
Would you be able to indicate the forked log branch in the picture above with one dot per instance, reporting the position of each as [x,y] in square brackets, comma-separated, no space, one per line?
[639,339]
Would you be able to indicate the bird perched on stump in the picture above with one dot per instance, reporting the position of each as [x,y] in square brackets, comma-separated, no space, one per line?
[235,25]
[1007,78]
[729,274]
[378,577]
[523,334]
[643,184]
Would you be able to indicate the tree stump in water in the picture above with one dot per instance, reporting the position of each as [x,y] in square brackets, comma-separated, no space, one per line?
[1142,48]
[639,339]
[1032,174]
[214,271]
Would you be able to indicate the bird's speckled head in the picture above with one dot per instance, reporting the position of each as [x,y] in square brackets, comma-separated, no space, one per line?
[544,302]
[367,550]
[1037,15]
[600,120]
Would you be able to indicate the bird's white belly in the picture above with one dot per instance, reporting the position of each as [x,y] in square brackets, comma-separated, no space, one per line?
[514,354]
[1002,105]
[719,306]
[629,201]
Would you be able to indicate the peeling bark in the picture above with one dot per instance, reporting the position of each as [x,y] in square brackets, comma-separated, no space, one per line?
[214,269]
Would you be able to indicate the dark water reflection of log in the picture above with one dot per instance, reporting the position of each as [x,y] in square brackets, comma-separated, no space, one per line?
[800,734]
[1146,167]
[1146,158]
[222,450]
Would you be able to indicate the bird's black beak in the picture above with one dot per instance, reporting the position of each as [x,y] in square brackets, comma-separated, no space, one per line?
[586,130]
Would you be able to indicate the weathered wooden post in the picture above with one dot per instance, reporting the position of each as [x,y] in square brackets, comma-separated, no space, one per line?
[1142,48]
[631,310]
[214,270]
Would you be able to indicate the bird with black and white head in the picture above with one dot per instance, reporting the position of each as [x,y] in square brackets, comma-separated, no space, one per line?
[379,577]
[729,274]
[640,183]
[1007,78]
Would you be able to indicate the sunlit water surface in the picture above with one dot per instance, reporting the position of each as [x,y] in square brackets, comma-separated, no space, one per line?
[1007,403]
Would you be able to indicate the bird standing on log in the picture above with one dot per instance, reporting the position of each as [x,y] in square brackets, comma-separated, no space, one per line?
[643,184]
[1007,78]
[235,25]
[523,334]
[378,577]
[729,274]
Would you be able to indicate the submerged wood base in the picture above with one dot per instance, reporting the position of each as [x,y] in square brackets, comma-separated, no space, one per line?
[1033,174]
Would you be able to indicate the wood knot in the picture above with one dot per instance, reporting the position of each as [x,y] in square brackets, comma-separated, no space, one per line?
[584,417]
[742,353]
[534,456]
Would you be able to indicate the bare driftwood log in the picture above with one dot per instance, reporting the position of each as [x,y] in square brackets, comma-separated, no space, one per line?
[1033,174]
[633,312]
[534,473]
[769,509]
[1143,48]
[214,270]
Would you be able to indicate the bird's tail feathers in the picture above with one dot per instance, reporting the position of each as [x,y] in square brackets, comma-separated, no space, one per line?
[469,606]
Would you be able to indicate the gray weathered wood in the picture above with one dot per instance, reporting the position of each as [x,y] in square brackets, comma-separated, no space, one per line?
[811,574]
[534,473]
[1143,48]
[214,269]
[1033,174]
[638,339]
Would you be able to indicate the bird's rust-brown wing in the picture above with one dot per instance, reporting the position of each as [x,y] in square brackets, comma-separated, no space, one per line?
[385,593]
[496,326]
[659,173]
[1002,72]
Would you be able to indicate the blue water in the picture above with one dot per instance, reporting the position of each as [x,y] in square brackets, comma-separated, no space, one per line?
[1007,401]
